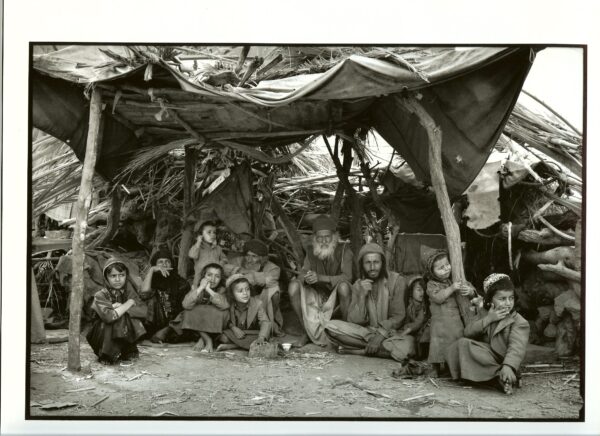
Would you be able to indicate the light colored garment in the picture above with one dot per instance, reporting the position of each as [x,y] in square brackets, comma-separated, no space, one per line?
[399,347]
[318,301]
[446,323]
[380,311]
[482,352]
[317,309]
[203,254]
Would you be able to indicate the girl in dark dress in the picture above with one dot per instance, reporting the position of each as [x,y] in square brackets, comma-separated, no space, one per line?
[163,291]
[117,321]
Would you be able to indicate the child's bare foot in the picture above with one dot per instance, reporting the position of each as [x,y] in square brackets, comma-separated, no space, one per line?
[225,347]
[208,347]
[199,345]
[301,342]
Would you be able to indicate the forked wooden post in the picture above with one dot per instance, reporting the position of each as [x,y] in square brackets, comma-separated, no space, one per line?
[434,134]
[188,203]
[84,200]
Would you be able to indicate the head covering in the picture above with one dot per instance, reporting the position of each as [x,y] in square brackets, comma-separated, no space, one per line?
[233,278]
[370,248]
[323,222]
[110,262]
[257,247]
[495,282]
[162,253]
[429,256]
[411,280]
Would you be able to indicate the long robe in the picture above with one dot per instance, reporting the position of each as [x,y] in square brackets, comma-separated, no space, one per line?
[446,323]
[264,283]
[112,336]
[482,352]
[381,311]
[318,301]
[202,313]
[252,319]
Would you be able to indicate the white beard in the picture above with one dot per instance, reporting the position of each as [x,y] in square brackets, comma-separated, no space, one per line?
[325,251]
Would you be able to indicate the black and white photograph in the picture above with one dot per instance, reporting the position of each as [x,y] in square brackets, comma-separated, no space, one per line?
[387,234]
[303,231]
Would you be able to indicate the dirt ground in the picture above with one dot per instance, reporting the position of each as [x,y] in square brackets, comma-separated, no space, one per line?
[305,383]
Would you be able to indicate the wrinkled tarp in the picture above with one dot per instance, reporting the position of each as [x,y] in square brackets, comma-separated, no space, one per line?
[469,92]
[230,202]
[60,109]
[407,250]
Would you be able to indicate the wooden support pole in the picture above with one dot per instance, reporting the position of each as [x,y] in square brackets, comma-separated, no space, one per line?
[112,223]
[189,176]
[38,333]
[353,198]
[288,227]
[336,204]
[84,200]
[434,134]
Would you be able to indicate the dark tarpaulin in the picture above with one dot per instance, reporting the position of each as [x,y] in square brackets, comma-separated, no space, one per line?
[470,109]
[469,92]
[230,202]
[60,109]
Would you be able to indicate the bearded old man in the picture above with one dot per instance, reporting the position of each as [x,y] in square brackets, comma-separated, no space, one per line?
[325,275]
[263,276]
[376,311]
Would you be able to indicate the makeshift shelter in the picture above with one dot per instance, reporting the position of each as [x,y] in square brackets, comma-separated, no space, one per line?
[260,101]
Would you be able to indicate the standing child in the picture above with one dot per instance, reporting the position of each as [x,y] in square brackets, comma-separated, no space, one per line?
[206,250]
[118,324]
[416,322]
[446,323]
[495,342]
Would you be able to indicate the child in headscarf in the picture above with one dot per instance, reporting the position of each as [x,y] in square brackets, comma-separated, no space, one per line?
[118,325]
[446,323]
[495,342]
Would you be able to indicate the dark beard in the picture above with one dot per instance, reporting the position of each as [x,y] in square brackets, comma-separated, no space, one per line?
[164,283]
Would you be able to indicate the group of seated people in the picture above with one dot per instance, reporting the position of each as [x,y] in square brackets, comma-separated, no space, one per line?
[235,304]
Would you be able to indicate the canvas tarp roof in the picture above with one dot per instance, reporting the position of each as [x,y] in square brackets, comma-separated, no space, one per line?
[469,92]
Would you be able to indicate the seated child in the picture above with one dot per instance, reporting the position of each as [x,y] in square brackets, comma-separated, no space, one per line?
[446,323]
[117,324]
[205,308]
[495,342]
[162,291]
[206,250]
[417,315]
[248,322]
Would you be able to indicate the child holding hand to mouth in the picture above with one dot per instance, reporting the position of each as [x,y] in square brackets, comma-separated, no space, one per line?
[495,343]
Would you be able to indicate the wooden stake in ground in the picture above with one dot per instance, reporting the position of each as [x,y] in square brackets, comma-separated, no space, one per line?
[188,204]
[434,134]
[82,207]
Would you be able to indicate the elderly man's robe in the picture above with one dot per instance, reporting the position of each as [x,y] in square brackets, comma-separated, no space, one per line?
[318,300]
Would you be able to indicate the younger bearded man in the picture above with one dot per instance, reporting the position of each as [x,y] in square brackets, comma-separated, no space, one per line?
[376,311]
